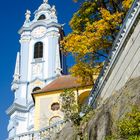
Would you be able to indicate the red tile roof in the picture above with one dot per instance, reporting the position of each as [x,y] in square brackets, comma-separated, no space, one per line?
[62,82]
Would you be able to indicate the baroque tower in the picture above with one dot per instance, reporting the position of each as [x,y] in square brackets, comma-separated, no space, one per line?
[38,63]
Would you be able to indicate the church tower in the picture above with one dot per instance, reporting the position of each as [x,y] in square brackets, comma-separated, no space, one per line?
[38,63]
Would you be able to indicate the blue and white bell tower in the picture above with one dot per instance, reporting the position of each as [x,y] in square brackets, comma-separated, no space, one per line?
[38,62]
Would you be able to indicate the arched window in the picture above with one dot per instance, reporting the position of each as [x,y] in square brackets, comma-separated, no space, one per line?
[55,106]
[36,88]
[38,50]
[42,17]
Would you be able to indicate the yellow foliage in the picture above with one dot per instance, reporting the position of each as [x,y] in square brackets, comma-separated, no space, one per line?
[127,4]
[93,29]
[92,39]
[85,73]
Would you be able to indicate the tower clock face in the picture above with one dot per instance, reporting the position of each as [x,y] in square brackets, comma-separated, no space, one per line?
[38,32]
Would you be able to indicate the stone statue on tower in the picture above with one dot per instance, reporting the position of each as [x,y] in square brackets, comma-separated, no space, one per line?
[45,1]
[28,15]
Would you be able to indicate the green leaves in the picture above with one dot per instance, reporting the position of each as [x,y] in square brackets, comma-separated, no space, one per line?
[72,109]
[69,106]
[129,127]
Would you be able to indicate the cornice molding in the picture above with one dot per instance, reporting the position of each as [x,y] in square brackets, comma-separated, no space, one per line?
[16,107]
[39,23]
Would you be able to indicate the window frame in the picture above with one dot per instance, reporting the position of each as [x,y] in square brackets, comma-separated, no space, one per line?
[38,50]
[55,106]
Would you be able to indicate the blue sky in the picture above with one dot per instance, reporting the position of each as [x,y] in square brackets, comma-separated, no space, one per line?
[11,19]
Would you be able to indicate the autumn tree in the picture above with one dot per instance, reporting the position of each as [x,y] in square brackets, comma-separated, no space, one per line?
[94,27]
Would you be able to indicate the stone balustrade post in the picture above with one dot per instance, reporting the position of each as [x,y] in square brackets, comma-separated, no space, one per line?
[43,134]
[16,138]
[37,136]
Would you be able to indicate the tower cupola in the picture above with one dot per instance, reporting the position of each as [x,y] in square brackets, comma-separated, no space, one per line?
[44,7]
[44,13]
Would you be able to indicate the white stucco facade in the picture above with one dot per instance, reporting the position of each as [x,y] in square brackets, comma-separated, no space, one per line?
[31,72]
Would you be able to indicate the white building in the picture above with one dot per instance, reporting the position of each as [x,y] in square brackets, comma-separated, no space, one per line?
[38,62]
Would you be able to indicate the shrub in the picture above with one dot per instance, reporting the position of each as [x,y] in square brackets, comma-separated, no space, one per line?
[129,126]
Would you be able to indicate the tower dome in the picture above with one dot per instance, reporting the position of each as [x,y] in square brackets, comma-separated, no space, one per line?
[45,12]
[44,7]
